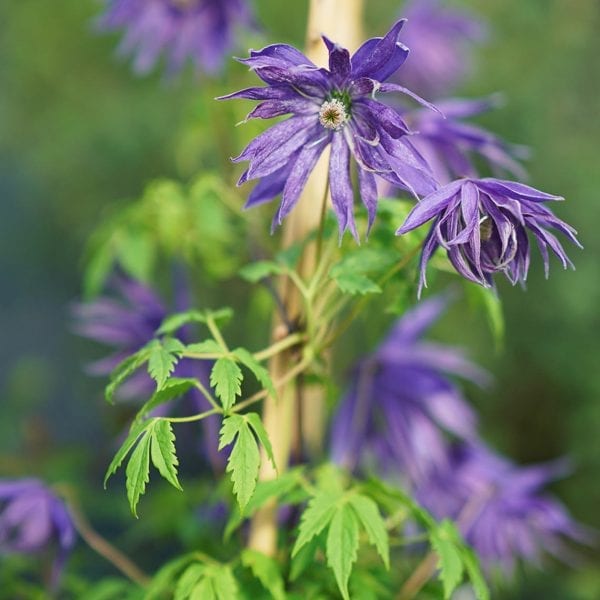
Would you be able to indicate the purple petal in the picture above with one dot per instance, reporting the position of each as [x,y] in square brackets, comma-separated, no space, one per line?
[342,196]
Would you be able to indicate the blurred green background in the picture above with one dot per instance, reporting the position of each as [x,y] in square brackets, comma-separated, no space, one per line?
[79,134]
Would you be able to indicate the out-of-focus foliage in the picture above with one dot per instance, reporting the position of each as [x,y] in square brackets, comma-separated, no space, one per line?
[80,137]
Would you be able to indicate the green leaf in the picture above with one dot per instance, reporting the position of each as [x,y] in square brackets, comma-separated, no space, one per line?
[204,590]
[205,347]
[224,583]
[256,271]
[304,558]
[137,253]
[125,369]
[163,579]
[342,546]
[137,471]
[188,580]
[261,433]
[136,431]
[173,388]
[266,570]
[487,300]
[244,460]
[290,256]
[222,315]
[261,374]
[315,518]
[97,270]
[162,360]
[476,577]
[370,518]
[162,452]
[449,557]
[226,377]
[354,283]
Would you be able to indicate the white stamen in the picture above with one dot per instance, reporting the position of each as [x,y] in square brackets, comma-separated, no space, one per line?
[333,114]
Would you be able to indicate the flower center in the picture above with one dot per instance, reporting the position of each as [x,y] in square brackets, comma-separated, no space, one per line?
[333,114]
[485,228]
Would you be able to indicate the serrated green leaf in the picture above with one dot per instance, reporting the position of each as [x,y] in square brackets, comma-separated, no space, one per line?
[449,557]
[138,470]
[473,568]
[226,377]
[161,363]
[244,460]
[315,518]
[370,518]
[188,580]
[173,322]
[205,347]
[342,546]
[266,570]
[261,374]
[163,579]
[124,370]
[173,388]
[136,431]
[355,283]
[261,433]
[162,452]
[256,271]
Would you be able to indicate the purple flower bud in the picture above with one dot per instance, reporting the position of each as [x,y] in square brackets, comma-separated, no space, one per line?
[483,224]
[331,107]
[33,519]
[198,30]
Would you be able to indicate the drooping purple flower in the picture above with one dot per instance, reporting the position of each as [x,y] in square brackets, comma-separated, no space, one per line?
[441,39]
[337,107]
[483,224]
[128,323]
[201,31]
[401,402]
[500,507]
[449,144]
[32,520]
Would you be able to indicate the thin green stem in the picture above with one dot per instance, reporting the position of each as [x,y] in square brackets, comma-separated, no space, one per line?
[365,299]
[280,346]
[214,330]
[206,394]
[192,418]
[297,280]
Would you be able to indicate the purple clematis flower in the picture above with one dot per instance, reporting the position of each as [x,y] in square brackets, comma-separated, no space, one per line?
[401,402]
[500,507]
[483,224]
[198,30]
[440,39]
[336,107]
[34,519]
[129,324]
[448,144]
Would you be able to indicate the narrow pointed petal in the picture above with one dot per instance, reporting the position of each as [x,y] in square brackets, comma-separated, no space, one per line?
[342,196]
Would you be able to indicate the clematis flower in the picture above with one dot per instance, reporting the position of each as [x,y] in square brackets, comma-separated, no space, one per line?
[483,223]
[500,507]
[198,30]
[331,107]
[33,519]
[401,405]
[441,40]
[128,323]
[449,144]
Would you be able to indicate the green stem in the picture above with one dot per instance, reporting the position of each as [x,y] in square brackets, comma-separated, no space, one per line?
[214,330]
[206,394]
[280,346]
[192,418]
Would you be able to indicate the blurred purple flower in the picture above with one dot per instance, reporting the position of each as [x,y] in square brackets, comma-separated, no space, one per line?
[334,106]
[483,224]
[500,507]
[128,324]
[33,519]
[401,401]
[440,39]
[449,144]
[199,30]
